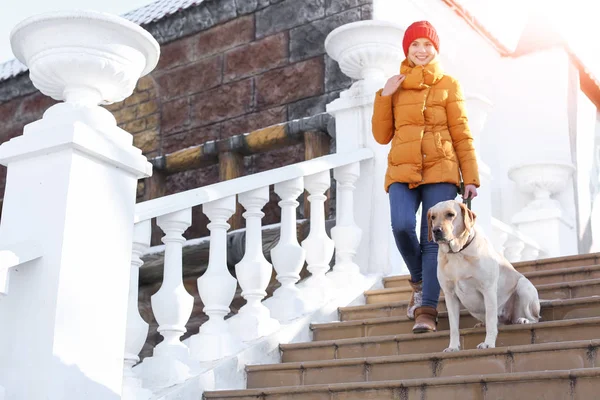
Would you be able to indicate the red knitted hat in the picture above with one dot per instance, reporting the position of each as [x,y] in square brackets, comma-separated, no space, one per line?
[420,29]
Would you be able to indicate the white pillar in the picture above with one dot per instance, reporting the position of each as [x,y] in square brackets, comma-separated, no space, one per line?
[346,234]
[137,328]
[288,256]
[543,218]
[317,245]
[478,108]
[253,273]
[71,184]
[172,307]
[370,52]
[217,288]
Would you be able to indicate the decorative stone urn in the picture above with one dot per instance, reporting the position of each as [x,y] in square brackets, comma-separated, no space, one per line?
[367,51]
[543,218]
[542,180]
[86,59]
[87,56]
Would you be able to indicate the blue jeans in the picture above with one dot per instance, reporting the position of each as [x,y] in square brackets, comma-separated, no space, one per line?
[420,258]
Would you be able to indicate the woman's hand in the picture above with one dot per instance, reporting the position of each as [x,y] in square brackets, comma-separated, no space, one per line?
[392,85]
[470,192]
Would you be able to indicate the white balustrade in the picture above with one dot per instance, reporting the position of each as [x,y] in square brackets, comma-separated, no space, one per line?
[137,328]
[217,288]
[530,253]
[172,306]
[499,238]
[513,248]
[288,256]
[318,246]
[254,272]
[346,234]
[513,244]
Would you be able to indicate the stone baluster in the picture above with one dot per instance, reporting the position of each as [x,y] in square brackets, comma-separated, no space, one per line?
[499,238]
[137,328]
[318,246]
[513,249]
[530,253]
[254,272]
[217,288]
[346,234]
[288,256]
[172,306]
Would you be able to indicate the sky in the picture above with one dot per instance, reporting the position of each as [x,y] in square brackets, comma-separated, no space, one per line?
[577,20]
[14,11]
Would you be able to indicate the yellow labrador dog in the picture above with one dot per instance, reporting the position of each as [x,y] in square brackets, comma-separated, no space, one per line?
[471,272]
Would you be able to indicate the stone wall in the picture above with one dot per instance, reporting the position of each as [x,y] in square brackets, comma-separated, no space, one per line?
[227,67]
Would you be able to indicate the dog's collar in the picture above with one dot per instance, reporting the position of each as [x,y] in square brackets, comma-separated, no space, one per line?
[464,247]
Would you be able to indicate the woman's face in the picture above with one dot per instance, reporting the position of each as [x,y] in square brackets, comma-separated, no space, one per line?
[421,51]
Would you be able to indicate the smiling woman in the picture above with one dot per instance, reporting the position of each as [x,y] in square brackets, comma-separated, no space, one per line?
[421,112]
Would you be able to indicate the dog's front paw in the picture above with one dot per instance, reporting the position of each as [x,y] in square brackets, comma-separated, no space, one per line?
[485,345]
[452,349]
[479,325]
[522,321]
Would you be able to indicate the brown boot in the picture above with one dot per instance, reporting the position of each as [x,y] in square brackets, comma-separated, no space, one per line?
[425,320]
[415,298]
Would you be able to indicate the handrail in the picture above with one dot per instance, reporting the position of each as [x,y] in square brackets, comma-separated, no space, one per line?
[194,197]
[496,223]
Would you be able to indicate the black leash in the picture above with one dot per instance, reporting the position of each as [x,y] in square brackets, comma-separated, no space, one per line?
[466,201]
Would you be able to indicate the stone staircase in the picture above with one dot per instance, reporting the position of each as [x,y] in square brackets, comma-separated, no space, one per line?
[372,354]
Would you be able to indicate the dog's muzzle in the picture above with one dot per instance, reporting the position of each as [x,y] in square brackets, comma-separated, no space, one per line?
[438,234]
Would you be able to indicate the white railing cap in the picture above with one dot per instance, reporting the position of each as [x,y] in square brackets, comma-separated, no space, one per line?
[195,197]
[504,227]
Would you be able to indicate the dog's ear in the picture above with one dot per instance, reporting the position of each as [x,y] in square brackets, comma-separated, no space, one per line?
[429,233]
[469,217]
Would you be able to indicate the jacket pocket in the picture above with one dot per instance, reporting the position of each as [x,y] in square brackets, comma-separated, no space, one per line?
[439,144]
[445,146]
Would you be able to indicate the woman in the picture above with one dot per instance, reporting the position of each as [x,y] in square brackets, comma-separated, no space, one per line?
[421,111]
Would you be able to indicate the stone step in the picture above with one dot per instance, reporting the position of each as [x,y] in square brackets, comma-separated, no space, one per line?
[580,384]
[552,310]
[394,345]
[545,264]
[562,290]
[399,293]
[512,359]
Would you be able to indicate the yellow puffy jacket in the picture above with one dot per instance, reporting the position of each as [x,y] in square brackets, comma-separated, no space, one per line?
[427,124]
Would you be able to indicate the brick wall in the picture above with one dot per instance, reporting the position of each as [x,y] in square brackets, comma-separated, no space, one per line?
[227,67]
